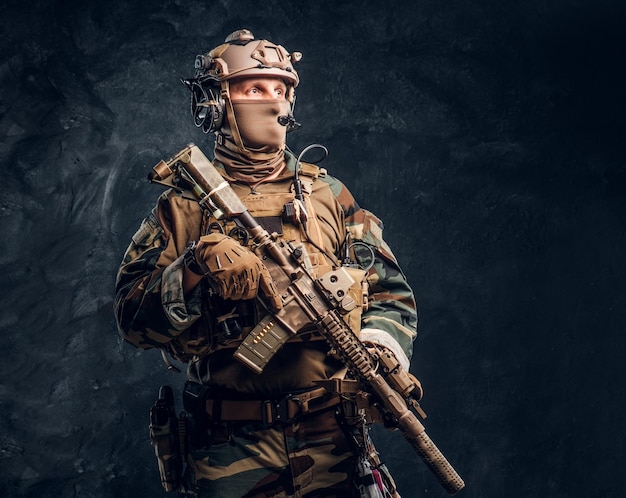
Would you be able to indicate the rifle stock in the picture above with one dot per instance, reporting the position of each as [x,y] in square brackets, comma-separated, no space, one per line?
[308,300]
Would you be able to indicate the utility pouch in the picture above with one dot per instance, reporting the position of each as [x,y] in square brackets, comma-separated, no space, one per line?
[194,403]
[359,292]
[168,437]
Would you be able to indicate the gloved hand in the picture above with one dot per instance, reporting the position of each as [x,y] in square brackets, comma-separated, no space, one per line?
[236,272]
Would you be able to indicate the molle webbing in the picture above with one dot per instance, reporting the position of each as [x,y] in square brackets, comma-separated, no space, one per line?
[267,208]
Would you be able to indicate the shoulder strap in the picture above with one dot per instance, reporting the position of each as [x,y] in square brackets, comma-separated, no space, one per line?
[312,171]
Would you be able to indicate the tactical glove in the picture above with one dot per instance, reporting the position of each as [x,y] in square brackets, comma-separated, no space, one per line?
[235,271]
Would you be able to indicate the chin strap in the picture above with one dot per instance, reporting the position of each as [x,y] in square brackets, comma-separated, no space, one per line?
[232,121]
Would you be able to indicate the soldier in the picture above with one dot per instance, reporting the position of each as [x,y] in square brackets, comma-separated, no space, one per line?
[192,286]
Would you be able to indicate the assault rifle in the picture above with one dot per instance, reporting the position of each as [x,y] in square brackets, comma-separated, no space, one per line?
[308,300]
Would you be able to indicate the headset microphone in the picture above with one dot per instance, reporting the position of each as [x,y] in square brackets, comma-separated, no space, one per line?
[289,121]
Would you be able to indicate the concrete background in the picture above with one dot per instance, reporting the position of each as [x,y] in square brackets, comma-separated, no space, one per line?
[488,135]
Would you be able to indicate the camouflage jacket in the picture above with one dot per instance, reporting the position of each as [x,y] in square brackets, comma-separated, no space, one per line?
[152,311]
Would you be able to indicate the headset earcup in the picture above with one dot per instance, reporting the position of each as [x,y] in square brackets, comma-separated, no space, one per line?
[207,108]
[218,108]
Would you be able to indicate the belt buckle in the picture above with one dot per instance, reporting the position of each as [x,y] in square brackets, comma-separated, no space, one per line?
[277,410]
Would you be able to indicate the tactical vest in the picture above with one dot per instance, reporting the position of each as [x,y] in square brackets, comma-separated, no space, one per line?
[224,324]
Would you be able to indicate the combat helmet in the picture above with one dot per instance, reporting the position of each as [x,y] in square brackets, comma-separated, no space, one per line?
[241,55]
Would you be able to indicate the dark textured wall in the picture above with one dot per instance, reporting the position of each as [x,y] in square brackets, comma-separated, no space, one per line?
[488,135]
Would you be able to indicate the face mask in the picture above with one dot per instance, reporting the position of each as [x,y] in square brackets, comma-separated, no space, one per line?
[258,124]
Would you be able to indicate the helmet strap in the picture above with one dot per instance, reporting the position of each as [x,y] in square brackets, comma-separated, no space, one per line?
[230,113]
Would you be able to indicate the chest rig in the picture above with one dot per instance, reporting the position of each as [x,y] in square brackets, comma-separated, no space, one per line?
[275,207]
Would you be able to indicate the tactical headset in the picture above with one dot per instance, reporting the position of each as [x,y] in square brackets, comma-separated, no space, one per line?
[207,105]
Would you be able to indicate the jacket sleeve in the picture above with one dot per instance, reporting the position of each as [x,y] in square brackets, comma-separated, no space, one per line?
[150,307]
[391,318]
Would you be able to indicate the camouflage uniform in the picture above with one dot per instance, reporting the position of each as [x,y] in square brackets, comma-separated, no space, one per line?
[309,455]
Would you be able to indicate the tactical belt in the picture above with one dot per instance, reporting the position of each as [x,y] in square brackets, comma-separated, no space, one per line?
[270,411]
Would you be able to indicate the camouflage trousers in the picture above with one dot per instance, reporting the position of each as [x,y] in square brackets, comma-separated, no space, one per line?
[311,457]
